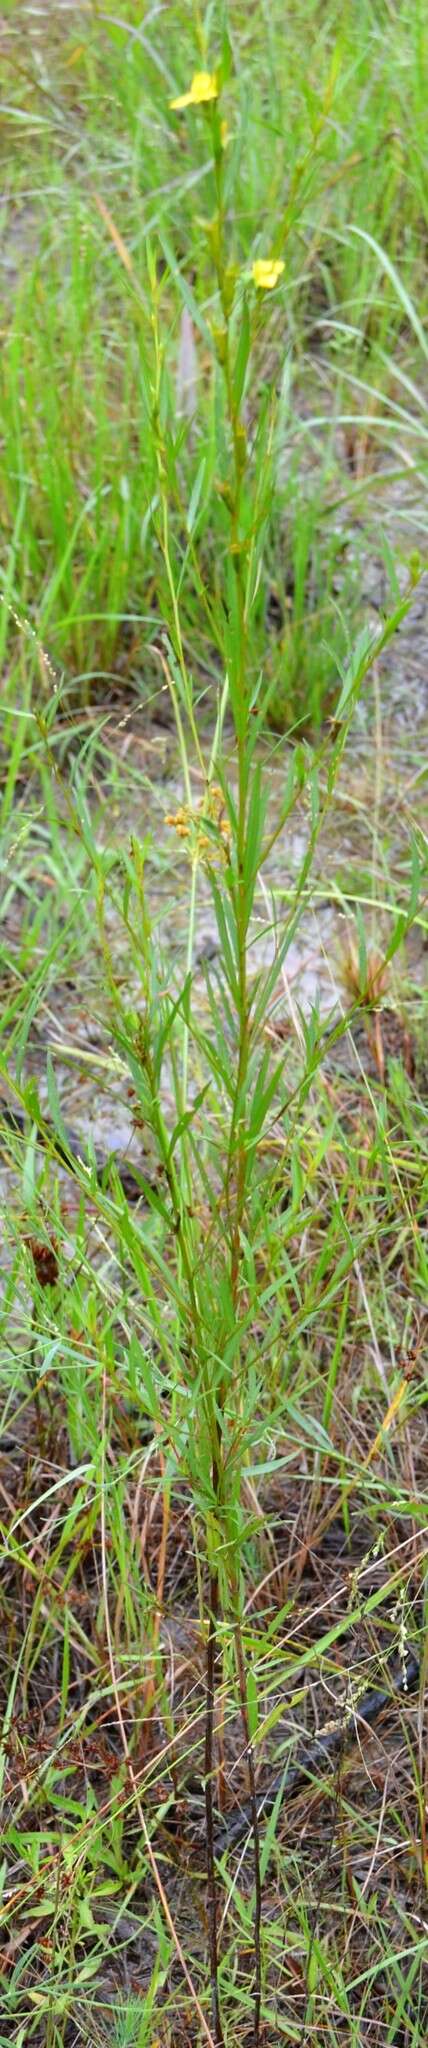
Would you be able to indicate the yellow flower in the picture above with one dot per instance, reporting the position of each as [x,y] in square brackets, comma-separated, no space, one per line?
[203,88]
[266,272]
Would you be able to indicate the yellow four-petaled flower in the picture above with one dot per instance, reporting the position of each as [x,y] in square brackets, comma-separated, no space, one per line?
[204,87]
[266,272]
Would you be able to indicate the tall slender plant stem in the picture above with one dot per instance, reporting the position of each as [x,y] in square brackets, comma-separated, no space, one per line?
[236,1180]
[209,1804]
[242,1682]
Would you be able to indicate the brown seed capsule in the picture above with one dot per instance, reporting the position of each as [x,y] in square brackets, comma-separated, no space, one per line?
[44,1260]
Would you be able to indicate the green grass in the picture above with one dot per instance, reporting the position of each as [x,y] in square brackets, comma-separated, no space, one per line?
[213,1480]
[310,160]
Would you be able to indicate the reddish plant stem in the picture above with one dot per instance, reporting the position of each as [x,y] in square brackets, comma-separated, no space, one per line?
[240,1660]
[209,1814]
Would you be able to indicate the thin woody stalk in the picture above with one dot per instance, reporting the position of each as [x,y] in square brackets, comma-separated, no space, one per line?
[237,1151]
[209,1807]
[242,1682]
